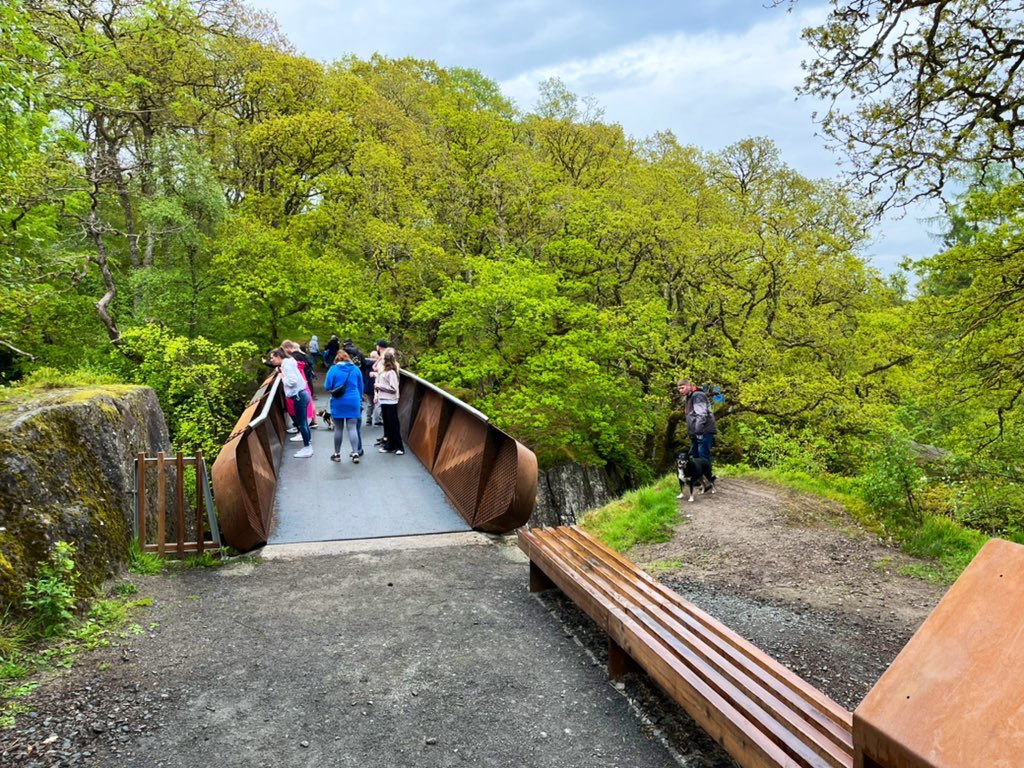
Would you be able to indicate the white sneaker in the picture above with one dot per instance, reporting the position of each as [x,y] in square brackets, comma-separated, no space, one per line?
[295,439]
[292,430]
[304,453]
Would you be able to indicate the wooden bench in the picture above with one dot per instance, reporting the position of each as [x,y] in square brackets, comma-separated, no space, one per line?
[760,711]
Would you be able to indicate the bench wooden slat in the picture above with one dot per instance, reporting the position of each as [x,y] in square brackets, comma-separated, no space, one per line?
[819,710]
[743,675]
[821,703]
[762,713]
[698,699]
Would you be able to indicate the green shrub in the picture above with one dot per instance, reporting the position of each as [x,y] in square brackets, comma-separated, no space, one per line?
[946,541]
[203,387]
[146,563]
[51,595]
[14,638]
[892,485]
[51,378]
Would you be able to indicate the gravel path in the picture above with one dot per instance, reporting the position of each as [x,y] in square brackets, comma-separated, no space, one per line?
[428,651]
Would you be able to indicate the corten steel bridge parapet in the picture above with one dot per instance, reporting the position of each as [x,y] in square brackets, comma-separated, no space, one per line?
[489,477]
[245,472]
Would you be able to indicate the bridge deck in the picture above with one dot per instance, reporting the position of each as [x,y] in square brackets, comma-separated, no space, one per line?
[384,495]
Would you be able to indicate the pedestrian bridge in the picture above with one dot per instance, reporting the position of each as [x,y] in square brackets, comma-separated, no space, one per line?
[459,473]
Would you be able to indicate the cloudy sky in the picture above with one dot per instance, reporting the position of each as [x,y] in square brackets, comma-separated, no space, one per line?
[711,71]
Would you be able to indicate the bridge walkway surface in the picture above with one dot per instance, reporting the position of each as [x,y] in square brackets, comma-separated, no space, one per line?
[384,495]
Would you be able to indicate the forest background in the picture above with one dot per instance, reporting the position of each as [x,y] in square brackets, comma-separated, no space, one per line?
[179,191]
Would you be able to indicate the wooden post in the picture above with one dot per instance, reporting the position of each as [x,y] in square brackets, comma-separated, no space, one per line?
[161,504]
[200,504]
[180,503]
[619,661]
[140,497]
[539,581]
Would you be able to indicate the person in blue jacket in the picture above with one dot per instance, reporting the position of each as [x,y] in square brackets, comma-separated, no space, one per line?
[345,406]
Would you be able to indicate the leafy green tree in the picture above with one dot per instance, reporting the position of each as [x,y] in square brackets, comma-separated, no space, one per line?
[202,386]
[919,92]
[978,329]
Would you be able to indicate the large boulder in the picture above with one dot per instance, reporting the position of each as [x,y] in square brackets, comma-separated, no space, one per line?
[66,473]
[565,492]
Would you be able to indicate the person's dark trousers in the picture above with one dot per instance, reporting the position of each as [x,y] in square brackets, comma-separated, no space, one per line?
[392,429]
[704,443]
[301,420]
[359,429]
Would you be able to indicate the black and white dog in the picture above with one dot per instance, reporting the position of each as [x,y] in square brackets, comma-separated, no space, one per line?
[693,470]
[325,418]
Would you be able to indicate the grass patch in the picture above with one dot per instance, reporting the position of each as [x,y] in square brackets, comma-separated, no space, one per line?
[146,563]
[843,490]
[933,574]
[945,541]
[646,515]
[26,654]
[948,545]
[663,566]
[209,559]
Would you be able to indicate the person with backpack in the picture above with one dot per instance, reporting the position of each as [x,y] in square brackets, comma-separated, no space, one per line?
[344,383]
[700,419]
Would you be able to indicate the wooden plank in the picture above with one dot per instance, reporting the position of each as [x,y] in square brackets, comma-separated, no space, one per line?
[191,548]
[810,736]
[745,672]
[539,582]
[161,504]
[755,718]
[784,675]
[180,502]
[153,460]
[140,496]
[620,663]
[713,713]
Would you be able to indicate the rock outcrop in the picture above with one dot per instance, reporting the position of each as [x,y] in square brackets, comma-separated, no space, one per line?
[66,473]
[567,491]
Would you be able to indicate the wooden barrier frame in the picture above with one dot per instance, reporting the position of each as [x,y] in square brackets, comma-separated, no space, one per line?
[205,513]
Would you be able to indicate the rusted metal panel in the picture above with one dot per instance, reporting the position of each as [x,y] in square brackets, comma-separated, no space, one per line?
[424,437]
[953,697]
[245,475]
[510,493]
[459,463]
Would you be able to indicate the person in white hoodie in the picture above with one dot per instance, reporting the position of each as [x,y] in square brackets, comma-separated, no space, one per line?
[295,390]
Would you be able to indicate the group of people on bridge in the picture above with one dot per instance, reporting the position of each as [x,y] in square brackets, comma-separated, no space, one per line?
[353,381]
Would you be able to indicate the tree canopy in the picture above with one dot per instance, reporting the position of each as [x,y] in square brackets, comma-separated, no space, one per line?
[179,189]
[920,93]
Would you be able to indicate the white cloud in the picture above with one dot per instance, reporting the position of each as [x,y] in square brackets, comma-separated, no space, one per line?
[710,88]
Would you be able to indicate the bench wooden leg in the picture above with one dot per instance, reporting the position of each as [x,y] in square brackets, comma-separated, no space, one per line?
[619,662]
[539,581]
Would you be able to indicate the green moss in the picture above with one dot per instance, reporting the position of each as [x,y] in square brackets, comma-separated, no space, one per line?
[75,501]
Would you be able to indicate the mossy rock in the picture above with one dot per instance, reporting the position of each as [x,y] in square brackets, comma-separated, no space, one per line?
[66,474]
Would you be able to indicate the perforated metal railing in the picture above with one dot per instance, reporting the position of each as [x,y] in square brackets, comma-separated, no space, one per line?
[489,477]
[245,472]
